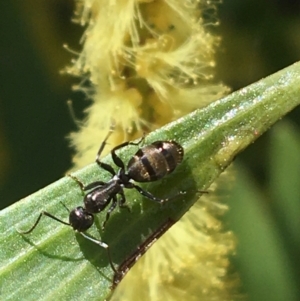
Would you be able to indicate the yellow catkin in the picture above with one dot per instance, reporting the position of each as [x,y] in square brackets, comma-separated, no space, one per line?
[148,62]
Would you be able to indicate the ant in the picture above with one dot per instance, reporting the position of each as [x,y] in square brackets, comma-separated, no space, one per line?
[150,163]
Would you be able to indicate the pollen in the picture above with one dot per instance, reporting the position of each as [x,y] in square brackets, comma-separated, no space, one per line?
[144,63]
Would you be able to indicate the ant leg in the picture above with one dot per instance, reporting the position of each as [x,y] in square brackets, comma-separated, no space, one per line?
[122,201]
[101,148]
[151,197]
[94,185]
[38,220]
[148,195]
[117,160]
[103,245]
[87,187]
[110,210]
[80,184]
[105,166]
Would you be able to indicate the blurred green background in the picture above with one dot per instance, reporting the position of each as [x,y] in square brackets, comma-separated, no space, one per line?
[258,38]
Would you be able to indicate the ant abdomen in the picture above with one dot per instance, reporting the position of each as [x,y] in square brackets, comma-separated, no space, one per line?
[155,161]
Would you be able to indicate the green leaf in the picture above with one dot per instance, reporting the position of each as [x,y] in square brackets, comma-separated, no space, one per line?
[284,180]
[262,259]
[267,228]
[54,264]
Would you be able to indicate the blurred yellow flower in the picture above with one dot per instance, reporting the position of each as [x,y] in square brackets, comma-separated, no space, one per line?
[147,63]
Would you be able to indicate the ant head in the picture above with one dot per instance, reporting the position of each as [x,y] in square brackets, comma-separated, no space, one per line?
[80,219]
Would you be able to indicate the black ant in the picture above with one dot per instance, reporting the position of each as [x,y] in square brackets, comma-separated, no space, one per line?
[150,163]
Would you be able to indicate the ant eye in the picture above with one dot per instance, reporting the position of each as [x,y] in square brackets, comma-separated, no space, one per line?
[80,219]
